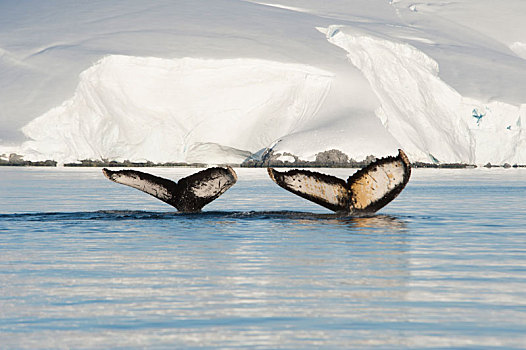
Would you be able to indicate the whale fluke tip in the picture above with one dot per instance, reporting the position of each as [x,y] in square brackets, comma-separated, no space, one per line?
[106,172]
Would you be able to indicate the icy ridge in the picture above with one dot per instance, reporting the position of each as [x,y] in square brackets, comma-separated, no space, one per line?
[429,118]
[177,110]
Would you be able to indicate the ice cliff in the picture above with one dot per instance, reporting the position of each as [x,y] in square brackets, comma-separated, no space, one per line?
[183,110]
[429,118]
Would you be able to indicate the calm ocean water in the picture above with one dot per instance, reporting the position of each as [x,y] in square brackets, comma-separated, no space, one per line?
[89,264]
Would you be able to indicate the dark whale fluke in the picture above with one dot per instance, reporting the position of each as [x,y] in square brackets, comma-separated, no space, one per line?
[366,191]
[189,194]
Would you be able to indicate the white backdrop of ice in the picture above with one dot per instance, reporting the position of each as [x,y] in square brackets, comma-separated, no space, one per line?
[428,117]
[187,110]
[519,48]
[417,73]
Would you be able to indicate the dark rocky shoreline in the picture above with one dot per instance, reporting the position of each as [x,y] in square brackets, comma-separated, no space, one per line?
[327,159]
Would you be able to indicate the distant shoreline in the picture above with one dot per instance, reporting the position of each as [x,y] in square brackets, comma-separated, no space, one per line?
[250,164]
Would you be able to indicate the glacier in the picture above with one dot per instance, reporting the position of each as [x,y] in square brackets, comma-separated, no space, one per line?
[184,110]
[220,82]
[429,118]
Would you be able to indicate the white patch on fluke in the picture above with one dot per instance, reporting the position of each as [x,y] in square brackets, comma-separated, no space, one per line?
[334,194]
[142,184]
[375,184]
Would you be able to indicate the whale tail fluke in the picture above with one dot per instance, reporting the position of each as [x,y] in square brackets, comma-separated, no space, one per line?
[189,194]
[366,191]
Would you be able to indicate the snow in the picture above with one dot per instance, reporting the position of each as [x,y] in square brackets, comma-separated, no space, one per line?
[214,82]
[161,110]
[519,48]
[428,117]
[285,158]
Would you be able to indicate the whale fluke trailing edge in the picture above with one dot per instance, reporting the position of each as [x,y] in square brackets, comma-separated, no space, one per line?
[364,192]
[189,194]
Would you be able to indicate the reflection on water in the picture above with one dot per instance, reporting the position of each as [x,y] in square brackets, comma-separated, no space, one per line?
[293,217]
[84,264]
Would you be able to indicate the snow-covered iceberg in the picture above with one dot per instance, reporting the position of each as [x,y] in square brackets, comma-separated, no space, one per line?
[182,110]
[430,119]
